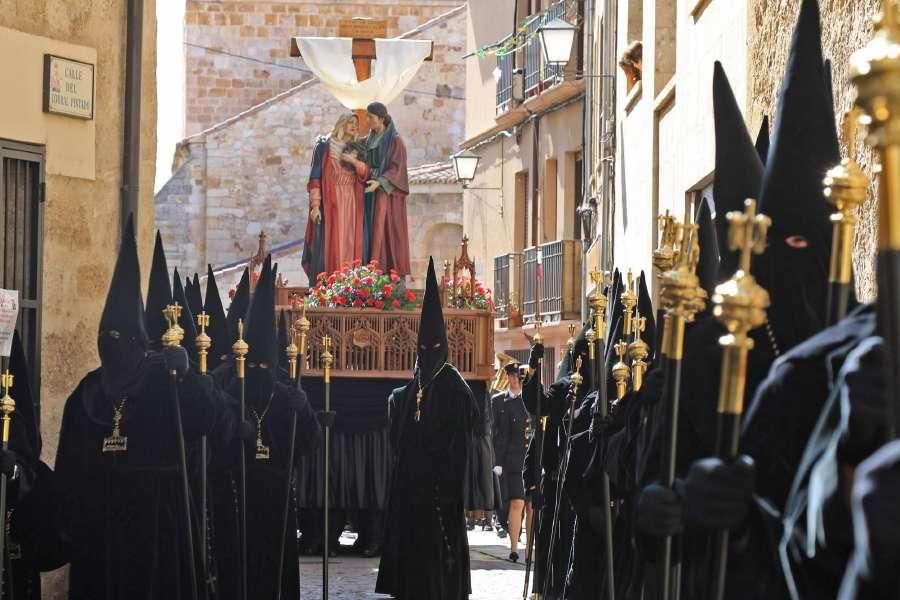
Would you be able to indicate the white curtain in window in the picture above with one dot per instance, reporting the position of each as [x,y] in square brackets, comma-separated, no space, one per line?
[331,60]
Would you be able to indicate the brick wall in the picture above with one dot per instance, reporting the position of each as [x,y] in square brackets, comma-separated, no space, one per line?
[249,173]
[236,52]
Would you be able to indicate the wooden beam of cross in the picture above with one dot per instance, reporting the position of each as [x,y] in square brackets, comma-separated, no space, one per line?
[363,31]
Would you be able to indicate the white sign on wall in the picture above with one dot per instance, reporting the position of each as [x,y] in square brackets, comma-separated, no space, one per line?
[9,312]
[68,87]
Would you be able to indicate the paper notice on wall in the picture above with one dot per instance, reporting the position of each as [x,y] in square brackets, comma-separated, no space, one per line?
[9,312]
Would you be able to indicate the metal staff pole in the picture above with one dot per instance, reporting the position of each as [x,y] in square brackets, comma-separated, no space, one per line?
[172,339]
[740,304]
[327,361]
[204,343]
[845,187]
[598,303]
[682,297]
[875,71]
[296,373]
[537,339]
[240,348]
[7,406]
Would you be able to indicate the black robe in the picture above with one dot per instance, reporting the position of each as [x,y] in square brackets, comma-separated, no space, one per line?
[426,551]
[265,498]
[123,511]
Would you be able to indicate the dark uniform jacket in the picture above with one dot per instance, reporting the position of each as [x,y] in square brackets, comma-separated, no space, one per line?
[510,421]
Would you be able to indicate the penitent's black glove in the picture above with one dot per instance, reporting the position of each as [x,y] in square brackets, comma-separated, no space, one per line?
[8,460]
[176,358]
[660,511]
[297,400]
[718,494]
[537,353]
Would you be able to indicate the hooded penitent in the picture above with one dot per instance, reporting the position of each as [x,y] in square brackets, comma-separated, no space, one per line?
[194,296]
[261,337]
[187,321]
[794,267]
[159,295]
[218,325]
[708,265]
[237,310]
[122,339]
[432,349]
[23,394]
[738,167]
[762,140]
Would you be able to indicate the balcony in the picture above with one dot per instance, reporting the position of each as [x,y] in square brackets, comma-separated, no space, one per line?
[507,284]
[505,83]
[559,296]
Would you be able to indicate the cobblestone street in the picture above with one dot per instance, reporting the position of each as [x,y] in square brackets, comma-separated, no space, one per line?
[353,577]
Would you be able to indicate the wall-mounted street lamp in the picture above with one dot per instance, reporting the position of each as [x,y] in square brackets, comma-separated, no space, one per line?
[557,38]
[465,163]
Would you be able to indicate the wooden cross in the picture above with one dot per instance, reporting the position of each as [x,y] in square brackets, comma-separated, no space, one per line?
[363,31]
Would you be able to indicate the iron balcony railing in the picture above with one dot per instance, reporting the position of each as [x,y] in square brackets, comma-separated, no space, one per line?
[505,83]
[559,296]
[507,283]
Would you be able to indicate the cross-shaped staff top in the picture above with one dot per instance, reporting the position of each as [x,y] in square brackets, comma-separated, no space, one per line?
[747,233]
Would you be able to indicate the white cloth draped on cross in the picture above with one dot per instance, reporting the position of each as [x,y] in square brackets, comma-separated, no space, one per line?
[331,60]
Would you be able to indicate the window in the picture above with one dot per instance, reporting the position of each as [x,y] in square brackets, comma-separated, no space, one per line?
[521,212]
[550,186]
[579,193]
[632,59]
[21,196]
[664,57]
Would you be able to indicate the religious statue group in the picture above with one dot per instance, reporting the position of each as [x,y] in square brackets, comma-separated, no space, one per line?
[357,197]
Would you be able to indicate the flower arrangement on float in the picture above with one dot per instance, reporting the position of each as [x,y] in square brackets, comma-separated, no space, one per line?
[356,285]
[467,292]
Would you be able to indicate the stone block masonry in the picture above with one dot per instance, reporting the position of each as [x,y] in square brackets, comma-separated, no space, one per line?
[236,52]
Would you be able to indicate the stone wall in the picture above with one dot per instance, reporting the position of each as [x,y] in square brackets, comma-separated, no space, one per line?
[249,173]
[236,51]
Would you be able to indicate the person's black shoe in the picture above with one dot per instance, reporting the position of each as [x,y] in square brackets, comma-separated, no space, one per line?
[470,526]
[501,533]
[513,556]
[487,527]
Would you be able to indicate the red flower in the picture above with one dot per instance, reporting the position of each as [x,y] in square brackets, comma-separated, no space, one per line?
[363,292]
[394,277]
[396,303]
[370,302]
[331,279]
[388,290]
[340,300]
[379,272]
[410,296]
[320,276]
[356,281]
[379,304]
[373,263]
[357,303]
[368,281]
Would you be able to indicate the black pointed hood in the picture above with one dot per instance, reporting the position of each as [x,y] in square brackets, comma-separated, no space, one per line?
[259,332]
[218,325]
[283,335]
[24,393]
[194,296]
[794,267]
[762,140]
[616,334]
[708,265]
[159,295]
[432,348]
[614,310]
[581,349]
[739,170]
[124,309]
[645,307]
[238,308]
[187,321]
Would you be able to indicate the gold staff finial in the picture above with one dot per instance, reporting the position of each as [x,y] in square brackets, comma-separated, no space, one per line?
[740,304]
[681,294]
[538,337]
[7,404]
[571,341]
[292,351]
[174,334]
[240,349]
[302,326]
[629,300]
[664,255]
[576,377]
[620,371]
[327,357]
[638,351]
[598,302]
[203,341]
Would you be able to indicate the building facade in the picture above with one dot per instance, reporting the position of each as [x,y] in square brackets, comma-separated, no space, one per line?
[248,173]
[60,184]
[524,119]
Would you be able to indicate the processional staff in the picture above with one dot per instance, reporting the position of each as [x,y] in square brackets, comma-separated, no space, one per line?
[240,348]
[682,296]
[638,352]
[537,340]
[299,328]
[172,339]
[596,342]
[845,187]
[7,407]
[203,344]
[740,304]
[327,361]
[876,73]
